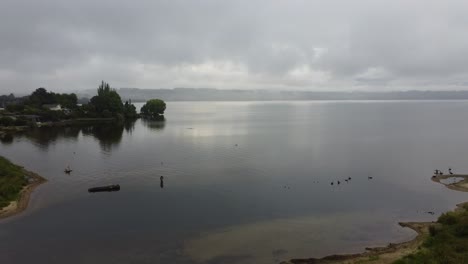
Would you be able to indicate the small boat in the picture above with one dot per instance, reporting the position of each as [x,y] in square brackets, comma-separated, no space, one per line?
[68,171]
[108,188]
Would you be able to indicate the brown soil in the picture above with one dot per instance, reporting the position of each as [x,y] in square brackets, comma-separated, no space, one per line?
[19,206]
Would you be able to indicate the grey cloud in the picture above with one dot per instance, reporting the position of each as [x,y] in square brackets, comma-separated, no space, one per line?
[398,44]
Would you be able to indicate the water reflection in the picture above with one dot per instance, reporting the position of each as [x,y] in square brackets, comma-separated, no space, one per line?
[155,124]
[7,139]
[129,126]
[108,135]
[45,136]
[224,201]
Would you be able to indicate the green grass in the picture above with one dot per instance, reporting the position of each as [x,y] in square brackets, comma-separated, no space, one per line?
[12,181]
[447,242]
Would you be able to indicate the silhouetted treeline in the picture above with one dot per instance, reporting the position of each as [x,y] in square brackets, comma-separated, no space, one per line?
[42,105]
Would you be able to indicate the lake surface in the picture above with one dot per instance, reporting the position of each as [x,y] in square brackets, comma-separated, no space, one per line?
[244,182]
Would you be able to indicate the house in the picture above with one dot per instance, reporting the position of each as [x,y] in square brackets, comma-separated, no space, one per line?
[53,107]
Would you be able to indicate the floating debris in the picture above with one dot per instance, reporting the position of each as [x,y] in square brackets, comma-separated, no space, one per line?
[108,188]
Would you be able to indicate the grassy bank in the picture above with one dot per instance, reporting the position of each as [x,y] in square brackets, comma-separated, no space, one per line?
[447,242]
[12,181]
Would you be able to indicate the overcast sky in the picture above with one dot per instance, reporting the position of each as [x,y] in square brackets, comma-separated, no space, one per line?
[374,45]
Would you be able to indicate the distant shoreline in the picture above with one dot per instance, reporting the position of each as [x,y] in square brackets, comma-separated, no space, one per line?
[141,101]
[392,252]
[16,207]
[213,94]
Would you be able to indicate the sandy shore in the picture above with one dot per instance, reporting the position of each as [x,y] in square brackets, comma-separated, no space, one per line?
[377,255]
[19,206]
[461,186]
[392,252]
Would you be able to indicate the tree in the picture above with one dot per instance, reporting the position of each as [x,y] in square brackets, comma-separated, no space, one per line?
[153,108]
[69,101]
[130,110]
[107,99]
[40,97]
[6,121]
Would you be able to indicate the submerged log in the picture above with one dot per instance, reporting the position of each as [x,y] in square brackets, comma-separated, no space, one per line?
[109,188]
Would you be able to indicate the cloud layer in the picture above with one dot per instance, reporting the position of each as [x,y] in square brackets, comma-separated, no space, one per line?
[289,45]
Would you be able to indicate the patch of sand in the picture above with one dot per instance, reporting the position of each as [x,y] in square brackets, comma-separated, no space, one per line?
[273,241]
[11,207]
[461,186]
[16,207]
[377,255]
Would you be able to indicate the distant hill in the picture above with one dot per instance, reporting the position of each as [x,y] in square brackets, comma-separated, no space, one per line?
[206,94]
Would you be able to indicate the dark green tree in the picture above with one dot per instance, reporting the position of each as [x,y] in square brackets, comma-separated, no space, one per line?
[6,121]
[69,101]
[40,97]
[130,110]
[107,99]
[153,108]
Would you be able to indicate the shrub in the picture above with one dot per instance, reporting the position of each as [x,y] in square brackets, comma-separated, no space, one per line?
[21,122]
[6,121]
[153,108]
[432,230]
[448,218]
[462,228]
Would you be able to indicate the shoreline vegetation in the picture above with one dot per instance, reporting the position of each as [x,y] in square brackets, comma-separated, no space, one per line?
[447,238]
[17,185]
[49,109]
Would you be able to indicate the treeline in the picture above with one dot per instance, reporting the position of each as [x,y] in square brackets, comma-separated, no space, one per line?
[50,106]
[108,103]
[8,99]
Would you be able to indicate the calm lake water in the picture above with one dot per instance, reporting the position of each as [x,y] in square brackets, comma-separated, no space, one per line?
[244,182]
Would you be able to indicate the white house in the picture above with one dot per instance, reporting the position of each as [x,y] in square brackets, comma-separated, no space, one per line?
[53,107]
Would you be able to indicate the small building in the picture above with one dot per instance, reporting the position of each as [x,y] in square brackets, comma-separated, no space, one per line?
[52,107]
